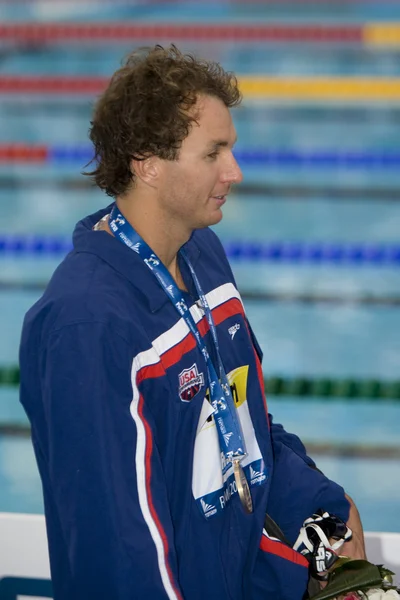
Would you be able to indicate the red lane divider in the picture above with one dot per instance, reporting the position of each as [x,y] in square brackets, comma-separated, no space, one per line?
[23,153]
[73,32]
[52,85]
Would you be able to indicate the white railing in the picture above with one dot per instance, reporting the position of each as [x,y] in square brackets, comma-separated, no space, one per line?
[24,561]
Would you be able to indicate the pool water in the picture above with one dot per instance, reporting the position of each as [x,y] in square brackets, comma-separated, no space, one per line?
[278,203]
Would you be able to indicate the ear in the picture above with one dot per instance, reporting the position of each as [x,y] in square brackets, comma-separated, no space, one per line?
[147,170]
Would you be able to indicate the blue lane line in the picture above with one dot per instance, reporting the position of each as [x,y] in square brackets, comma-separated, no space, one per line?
[34,245]
[295,252]
[70,154]
[318,159]
[314,252]
[315,159]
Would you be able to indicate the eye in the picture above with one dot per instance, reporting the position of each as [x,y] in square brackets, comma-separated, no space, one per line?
[213,155]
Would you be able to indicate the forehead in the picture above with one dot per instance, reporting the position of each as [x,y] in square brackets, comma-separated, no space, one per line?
[213,121]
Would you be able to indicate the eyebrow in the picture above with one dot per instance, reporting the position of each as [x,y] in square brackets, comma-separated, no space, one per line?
[220,143]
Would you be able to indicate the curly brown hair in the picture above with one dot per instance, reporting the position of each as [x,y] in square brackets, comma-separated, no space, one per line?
[145,111]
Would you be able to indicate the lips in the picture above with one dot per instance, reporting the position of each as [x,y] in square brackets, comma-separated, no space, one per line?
[220,200]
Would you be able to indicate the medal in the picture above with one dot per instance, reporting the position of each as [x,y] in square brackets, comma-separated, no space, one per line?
[242,486]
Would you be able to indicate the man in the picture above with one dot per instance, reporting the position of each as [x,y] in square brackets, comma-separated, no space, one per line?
[156,452]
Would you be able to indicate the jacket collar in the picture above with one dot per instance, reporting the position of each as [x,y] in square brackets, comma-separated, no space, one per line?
[123,260]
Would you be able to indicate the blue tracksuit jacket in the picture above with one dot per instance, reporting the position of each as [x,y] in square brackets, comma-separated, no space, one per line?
[116,391]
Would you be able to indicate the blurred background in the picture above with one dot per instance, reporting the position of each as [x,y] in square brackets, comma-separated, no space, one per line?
[312,233]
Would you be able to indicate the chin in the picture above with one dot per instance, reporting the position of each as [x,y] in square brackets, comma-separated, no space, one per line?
[210,220]
[215,218]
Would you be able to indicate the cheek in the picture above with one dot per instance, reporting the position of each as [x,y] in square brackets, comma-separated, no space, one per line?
[189,189]
[206,178]
[198,187]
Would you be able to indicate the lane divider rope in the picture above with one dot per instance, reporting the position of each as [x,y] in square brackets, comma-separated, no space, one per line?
[236,250]
[310,387]
[224,32]
[324,88]
[256,158]
[248,295]
[370,34]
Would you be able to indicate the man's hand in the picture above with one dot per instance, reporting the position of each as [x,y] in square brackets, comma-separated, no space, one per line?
[355,547]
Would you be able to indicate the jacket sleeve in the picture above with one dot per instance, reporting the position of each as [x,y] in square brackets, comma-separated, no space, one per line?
[105,484]
[297,491]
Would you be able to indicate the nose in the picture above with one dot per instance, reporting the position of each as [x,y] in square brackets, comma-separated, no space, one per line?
[232,172]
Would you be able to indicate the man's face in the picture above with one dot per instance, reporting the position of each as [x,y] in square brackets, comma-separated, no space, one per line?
[193,188]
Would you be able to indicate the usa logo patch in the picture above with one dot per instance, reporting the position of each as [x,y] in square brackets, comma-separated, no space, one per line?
[190,383]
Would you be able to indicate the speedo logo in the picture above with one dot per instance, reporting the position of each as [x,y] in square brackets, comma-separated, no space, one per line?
[190,383]
[232,330]
[208,509]
[256,476]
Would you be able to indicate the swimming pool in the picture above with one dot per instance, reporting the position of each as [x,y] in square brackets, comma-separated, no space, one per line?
[312,188]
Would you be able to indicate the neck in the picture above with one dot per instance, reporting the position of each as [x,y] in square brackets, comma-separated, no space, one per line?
[162,235]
